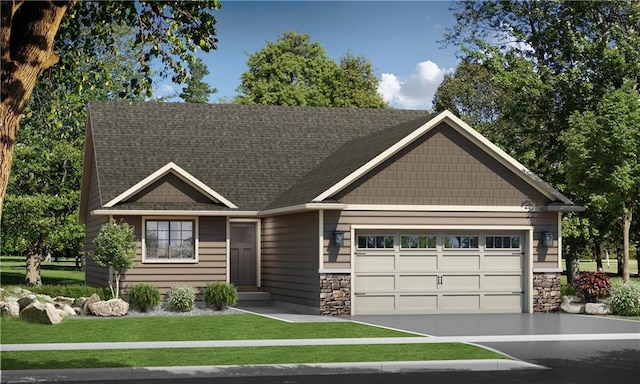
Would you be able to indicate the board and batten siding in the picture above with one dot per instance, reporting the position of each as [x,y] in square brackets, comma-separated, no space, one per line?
[442,168]
[95,275]
[290,258]
[211,265]
[340,257]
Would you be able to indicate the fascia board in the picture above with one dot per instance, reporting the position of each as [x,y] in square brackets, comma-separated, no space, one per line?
[466,131]
[178,171]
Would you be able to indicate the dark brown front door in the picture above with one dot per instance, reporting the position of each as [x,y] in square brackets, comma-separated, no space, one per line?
[243,254]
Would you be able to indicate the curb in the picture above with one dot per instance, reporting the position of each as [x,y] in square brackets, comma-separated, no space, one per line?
[119,374]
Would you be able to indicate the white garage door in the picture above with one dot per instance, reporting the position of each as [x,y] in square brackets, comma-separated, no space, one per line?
[412,272]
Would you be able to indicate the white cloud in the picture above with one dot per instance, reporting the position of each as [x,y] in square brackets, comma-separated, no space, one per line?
[414,91]
[164,89]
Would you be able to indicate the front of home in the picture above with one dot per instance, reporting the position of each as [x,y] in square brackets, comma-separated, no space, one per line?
[333,211]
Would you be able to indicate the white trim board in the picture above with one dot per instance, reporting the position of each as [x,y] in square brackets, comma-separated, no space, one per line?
[468,132]
[178,171]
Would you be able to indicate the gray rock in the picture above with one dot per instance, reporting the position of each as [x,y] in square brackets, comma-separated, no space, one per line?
[63,300]
[10,308]
[26,300]
[44,313]
[572,304]
[113,307]
[79,302]
[85,306]
[597,309]
[65,310]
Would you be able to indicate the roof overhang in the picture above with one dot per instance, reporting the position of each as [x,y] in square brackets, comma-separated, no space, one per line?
[468,132]
[179,172]
[175,212]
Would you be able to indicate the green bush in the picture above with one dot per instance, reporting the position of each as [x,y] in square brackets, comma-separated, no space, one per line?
[143,296]
[220,294]
[625,299]
[74,291]
[591,286]
[181,299]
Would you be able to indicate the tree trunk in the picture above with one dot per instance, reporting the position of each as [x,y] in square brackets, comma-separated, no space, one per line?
[638,257]
[572,261]
[32,276]
[27,30]
[628,216]
[598,252]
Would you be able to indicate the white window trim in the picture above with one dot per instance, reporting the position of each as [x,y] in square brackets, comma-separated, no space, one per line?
[417,249]
[502,235]
[196,244]
[450,249]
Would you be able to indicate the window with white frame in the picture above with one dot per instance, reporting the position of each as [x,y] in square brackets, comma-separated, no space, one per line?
[460,242]
[502,242]
[170,239]
[375,241]
[418,241]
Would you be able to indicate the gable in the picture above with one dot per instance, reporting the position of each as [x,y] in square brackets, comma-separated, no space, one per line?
[442,168]
[170,189]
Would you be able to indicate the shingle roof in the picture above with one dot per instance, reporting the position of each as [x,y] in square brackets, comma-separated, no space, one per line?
[258,157]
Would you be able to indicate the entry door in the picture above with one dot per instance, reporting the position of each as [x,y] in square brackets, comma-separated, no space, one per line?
[243,254]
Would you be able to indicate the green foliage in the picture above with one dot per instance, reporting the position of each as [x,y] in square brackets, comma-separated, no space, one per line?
[625,299]
[197,91]
[591,286]
[115,248]
[74,291]
[295,71]
[143,296]
[182,299]
[220,294]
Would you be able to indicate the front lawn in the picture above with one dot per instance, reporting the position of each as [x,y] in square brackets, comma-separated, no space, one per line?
[242,326]
[63,272]
[242,356]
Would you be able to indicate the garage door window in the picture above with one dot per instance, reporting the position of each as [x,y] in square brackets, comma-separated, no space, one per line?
[417,242]
[375,242]
[502,242]
[460,242]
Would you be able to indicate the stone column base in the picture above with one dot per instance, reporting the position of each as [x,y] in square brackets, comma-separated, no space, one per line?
[335,294]
[546,292]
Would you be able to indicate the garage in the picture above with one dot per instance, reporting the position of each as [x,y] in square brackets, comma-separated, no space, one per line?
[421,272]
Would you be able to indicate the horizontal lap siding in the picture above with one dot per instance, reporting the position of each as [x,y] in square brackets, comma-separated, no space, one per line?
[211,265]
[340,257]
[95,275]
[290,258]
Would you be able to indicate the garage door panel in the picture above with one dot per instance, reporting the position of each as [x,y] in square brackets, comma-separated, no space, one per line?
[373,304]
[461,302]
[503,282]
[502,262]
[417,303]
[460,282]
[376,283]
[417,282]
[503,302]
[366,263]
[418,262]
[461,262]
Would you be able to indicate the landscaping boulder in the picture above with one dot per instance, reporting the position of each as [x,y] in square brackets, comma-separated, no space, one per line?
[85,306]
[65,310]
[26,300]
[10,308]
[572,304]
[113,307]
[597,309]
[63,300]
[44,313]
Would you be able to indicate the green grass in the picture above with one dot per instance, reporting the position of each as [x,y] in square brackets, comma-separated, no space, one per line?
[12,271]
[225,327]
[242,356]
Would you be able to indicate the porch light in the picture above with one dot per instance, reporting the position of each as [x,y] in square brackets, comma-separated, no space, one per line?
[547,239]
[338,238]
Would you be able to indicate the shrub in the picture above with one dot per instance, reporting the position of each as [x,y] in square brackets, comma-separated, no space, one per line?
[591,286]
[220,294]
[143,296]
[74,291]
[181,299]
[625,299]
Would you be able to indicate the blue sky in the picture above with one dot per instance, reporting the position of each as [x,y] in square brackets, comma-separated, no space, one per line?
[400,39]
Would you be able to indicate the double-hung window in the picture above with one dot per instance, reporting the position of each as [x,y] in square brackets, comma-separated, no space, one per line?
[170,240]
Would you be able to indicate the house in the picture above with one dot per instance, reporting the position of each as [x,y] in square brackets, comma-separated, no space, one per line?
[333,211]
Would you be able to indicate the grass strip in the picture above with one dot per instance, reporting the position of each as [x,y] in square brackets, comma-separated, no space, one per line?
[242,356]
[224,327]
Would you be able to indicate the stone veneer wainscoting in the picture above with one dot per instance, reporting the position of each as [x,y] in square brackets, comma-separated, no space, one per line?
[335,294]
[546,291]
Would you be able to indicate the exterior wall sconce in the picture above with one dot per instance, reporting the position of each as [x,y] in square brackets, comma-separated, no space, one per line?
[338,238]
[547,239]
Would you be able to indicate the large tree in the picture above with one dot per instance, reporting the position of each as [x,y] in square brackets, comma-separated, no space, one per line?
[33,34]
[197,90]
[296,71]
[603,158]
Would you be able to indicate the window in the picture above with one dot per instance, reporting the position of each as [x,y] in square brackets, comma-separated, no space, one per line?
[170,239]
[375,241]
[457,242]
[418,242]
[502,242]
